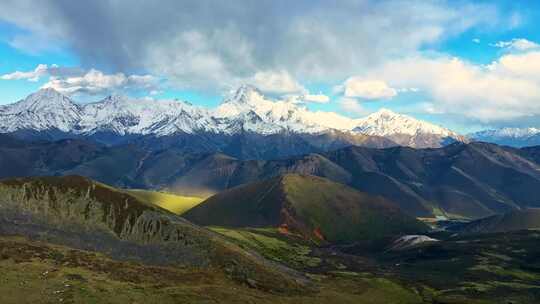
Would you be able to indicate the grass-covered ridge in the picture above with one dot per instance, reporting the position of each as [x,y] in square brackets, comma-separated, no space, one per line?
[273,245]
[314,207]
[343,214]
[80,213]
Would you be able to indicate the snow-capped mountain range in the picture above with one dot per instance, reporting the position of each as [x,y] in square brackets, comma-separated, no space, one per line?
[516,137]
[405,130]
[247,110]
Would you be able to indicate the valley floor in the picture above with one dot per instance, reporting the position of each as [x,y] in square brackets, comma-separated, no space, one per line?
[463,271]
[34,272]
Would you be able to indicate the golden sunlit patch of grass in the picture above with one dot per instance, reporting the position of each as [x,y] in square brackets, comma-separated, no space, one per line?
[172,202]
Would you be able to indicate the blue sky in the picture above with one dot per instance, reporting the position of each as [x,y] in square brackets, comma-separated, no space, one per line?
[467,65]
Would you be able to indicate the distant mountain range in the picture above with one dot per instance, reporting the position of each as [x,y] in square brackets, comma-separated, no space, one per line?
[246,118]
[514,137]
[460,180]
[188,149]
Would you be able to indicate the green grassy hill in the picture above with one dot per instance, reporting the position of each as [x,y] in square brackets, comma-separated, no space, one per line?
[177,204]
[313,207]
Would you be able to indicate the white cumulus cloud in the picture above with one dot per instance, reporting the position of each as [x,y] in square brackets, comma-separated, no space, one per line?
[358,87]
[277,82]
[504,91]
[40,71]
[210,45]
[96,82]
[78,81]
[316,98]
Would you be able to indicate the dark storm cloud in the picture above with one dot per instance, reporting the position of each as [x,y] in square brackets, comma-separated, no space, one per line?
[212,44]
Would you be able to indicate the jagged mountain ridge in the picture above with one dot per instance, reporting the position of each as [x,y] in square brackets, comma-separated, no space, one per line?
[246,111]
[50,110]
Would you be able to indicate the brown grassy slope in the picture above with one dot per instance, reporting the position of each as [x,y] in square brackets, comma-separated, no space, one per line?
[315,207]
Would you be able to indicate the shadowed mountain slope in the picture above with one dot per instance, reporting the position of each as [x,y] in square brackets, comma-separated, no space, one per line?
[531,152]
[461,180]
[474,180]
[510,221]
[471,180]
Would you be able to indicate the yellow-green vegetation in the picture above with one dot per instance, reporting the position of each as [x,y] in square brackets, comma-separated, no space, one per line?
[381,287]
[32,272]
[175,203]
[507,272]
[501,257]
[486,264]
[269,243]
[470,292]
[343,214]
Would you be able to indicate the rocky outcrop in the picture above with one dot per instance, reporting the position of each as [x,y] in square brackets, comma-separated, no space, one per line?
[80,213]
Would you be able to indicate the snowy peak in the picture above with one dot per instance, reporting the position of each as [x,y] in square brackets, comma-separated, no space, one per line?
[384,113]
[247,109]
[245,94]
[46,109]
[44,99]
[275,115]
[405,130]
[245,99]
[115,99]
[47,93]
[124,115]
[385,122]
